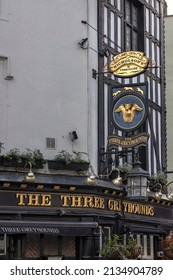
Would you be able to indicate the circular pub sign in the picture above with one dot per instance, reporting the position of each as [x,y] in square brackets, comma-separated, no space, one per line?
[129,112]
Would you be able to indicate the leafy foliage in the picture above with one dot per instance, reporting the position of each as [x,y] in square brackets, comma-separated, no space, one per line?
[67,158]
[114,249]
[31,156]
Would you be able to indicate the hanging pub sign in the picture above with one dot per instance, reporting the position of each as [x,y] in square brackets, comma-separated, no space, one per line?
[128,64]
[129,107]
[128,142]
[129,111]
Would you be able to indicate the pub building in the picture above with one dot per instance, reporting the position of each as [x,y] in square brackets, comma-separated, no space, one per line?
[116,75]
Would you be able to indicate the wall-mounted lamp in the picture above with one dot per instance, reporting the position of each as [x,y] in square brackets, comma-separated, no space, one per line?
[169,188]
[91,179]
[73,135]
[158,191]
[83,43]
[118,181]
[137,183]
[30,177]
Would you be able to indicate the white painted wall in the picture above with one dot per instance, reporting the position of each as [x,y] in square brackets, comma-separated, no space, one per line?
[53,91]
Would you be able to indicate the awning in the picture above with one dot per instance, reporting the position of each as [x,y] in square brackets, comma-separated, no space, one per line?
[47,227]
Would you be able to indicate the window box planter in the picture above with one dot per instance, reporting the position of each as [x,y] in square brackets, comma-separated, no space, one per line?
[53,164]
[14,163]
[14,158]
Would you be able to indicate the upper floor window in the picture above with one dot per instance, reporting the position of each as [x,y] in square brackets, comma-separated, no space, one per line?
[133,16]
[4,9]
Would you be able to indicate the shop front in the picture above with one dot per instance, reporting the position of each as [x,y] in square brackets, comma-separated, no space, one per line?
[72,220]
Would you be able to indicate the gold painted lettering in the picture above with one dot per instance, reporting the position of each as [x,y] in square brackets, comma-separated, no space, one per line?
[125,204]
[21,197]
[65,199]
[114,205]
[33,199]
[46,200]
[76,201]
[88,201]
[151,211]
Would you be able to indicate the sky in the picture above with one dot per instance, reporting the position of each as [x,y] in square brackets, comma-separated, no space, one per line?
[170,7]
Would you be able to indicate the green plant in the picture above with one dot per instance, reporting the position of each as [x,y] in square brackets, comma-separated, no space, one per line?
[67,158]
[125,168]
[63,156]
[31,156]
[114,249]
[159,177]
[13,154]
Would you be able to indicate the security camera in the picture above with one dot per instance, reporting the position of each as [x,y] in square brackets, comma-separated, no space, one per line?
[160,254]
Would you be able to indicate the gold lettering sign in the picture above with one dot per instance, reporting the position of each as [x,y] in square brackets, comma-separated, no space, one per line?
[127,142]
[82,201]
[33,199]
[128,64]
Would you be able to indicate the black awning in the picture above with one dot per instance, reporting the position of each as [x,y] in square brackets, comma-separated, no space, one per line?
[47,227]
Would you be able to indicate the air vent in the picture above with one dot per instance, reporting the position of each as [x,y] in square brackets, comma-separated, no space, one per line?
[50,143]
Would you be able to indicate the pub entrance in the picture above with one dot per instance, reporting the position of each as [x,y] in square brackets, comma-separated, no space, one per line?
[45,246]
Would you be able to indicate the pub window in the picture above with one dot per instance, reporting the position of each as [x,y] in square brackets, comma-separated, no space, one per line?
[3,246]
[3,9]
[104,235]
[133,25]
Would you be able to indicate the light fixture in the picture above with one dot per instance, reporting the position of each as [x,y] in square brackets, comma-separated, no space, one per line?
[30,177]
[73,135]
[137,183]
[91,179]
[118,181]
[169,188]
[158,192]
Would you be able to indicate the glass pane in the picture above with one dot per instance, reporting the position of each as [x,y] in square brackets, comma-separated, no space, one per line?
[127,11]
[148,245]
[134,41]
[112,29]
[158,28]
[152,24]
[158,6]
[134,16]
[147,47]
[105,23]
[128,38]
[119,34]
[119,5]
[147,26]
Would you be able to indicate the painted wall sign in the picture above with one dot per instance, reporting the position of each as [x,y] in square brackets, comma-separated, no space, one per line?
[48,200]
[129,107]
[129,64]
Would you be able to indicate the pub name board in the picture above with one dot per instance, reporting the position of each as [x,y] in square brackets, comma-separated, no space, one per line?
[78,201]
